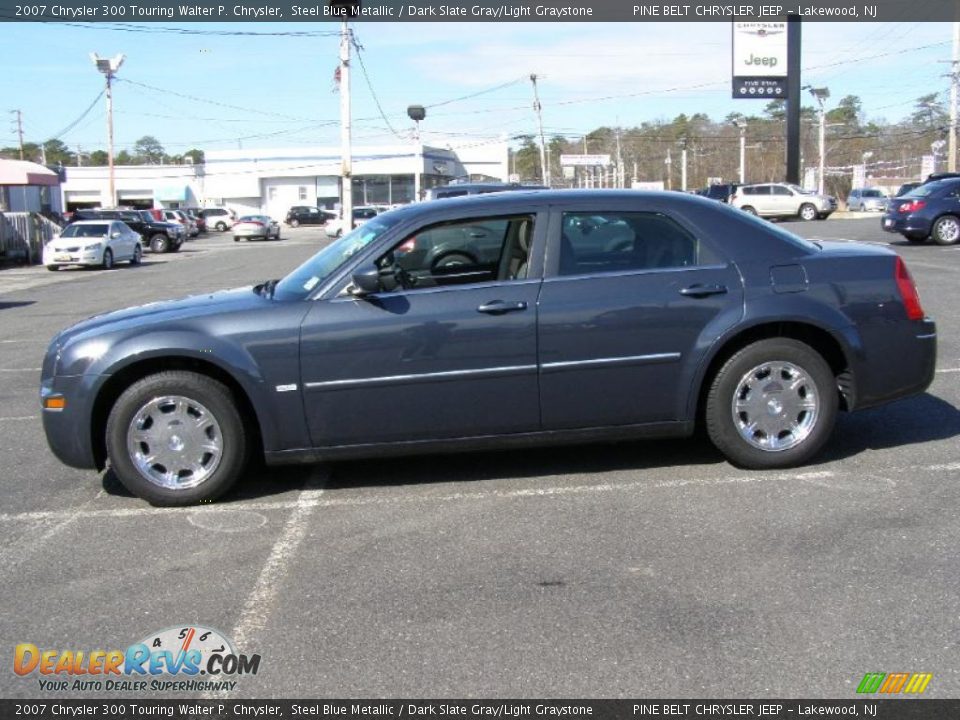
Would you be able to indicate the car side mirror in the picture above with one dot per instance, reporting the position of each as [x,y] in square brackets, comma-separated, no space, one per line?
[115,235]
[366,280]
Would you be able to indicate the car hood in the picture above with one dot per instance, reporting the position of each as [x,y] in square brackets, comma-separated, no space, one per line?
[167,311]
[59,243]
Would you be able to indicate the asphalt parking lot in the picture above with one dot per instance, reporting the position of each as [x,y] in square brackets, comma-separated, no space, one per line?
[651,569]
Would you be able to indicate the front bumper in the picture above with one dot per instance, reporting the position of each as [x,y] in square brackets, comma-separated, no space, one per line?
[68,430]
[52,256]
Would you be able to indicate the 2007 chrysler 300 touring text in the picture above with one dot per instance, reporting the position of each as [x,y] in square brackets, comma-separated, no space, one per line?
[524,317]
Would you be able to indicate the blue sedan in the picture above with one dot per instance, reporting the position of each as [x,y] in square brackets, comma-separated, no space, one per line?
[930,211]
[588,315]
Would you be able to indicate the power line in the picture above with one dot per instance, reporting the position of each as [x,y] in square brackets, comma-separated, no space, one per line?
[76,122]
[373,94]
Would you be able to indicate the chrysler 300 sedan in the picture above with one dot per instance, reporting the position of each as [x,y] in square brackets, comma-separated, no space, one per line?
[598,315]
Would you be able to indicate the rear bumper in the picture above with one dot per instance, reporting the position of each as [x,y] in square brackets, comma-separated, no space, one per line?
[906,225]
[907,367]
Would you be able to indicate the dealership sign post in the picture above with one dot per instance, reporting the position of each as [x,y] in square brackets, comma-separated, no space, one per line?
[760,60]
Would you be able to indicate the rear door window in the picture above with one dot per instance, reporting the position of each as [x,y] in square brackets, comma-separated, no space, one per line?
[610,242]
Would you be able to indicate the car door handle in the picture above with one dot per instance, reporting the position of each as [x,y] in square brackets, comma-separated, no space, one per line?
[698,291]
[499,307]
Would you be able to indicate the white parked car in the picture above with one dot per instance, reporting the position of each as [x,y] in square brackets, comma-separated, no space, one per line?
[336,227]
[783,200]
[219,219]
[95,243]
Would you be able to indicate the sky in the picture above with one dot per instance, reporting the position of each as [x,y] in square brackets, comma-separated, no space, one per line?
[221,91]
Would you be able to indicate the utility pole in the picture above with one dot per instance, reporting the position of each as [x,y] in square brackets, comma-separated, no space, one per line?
[954,79]
[19,129]
[544,166]
[346,151]
[619,176]
[683,164]
[821,94]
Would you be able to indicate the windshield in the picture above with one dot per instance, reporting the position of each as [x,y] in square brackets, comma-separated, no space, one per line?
[302,281]
[85,231]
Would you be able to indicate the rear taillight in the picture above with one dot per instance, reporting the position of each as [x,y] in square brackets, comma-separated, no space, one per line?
[908,291]
[913,206]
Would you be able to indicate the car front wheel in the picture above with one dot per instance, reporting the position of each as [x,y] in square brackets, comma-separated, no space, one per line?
[808,212]
[176,438]
[773,404]
[107,262]
[749,210]
[221,227]
[946,230]
[159,243]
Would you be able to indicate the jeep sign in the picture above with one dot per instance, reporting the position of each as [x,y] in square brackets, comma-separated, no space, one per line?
[760,60]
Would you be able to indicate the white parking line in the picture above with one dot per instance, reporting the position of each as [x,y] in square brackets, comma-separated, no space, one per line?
[20,417]
[948,370]
[13,370]
[311,498]
[256,609]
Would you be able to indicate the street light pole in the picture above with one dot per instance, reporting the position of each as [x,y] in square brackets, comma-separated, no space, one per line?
[821,94]
[538,108]
[109,67]
[742,126]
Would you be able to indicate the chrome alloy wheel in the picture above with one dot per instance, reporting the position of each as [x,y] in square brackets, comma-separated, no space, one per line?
[948,230]
[174,442]
[775,406]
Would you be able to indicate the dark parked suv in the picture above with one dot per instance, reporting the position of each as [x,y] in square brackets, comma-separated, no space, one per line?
[308,215]
[581,315]
[930,211]
[158,236]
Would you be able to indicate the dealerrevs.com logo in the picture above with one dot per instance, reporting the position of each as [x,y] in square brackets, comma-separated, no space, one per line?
[189,659]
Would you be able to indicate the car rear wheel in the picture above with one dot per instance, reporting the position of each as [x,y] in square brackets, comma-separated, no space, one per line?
[772,405]
[107,262]
[808,212]
[159,243]
[53,268]
[946,230]
[176,438]
[749,210]
[294,223]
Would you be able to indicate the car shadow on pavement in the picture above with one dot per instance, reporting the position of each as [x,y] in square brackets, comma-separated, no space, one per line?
[15,304]
[919,419]
[569,460]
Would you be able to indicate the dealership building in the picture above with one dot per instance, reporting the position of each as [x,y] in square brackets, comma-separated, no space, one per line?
[270,181]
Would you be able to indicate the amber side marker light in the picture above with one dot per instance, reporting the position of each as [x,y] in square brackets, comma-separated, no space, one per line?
[54,403]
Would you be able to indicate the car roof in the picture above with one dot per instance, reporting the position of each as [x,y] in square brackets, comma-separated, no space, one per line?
[95,222]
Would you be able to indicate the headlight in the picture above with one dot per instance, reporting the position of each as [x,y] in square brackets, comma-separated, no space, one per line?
[93,248]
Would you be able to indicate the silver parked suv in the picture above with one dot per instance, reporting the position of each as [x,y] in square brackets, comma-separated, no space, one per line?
[783,200]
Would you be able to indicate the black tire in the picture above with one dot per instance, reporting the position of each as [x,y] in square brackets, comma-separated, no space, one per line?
[159,243]
[946,230]
[749,210]
[451,260]
[215,397]
[137,255]
[294,223]
[107,262]
[807,212]
[221,226]
[53,268]
[820,386]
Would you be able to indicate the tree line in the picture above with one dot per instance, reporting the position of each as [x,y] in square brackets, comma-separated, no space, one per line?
[888,150]
[145,151]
